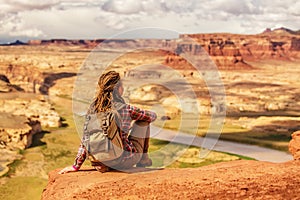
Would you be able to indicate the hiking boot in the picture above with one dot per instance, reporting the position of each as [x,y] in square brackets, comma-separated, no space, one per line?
[102,169]
[145,161]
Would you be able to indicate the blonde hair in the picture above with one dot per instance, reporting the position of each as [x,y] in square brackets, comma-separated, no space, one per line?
[107,93]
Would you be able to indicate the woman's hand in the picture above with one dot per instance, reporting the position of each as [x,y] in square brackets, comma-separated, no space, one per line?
[67,169]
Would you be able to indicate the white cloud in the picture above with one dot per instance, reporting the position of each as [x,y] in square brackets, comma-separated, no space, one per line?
[27,32]
[278,7]
[15,26]
[116,22]
[236,7]
[151,7]
[180,6]
[123,6]
[11,22]
[295,9]
[14,6]
[101,18]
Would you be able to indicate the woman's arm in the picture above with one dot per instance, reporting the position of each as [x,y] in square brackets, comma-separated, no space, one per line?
[80,158]
[140,114]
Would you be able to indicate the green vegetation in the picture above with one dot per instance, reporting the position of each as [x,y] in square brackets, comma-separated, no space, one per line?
[12,168]
[260,139]
[23,188]
[269,139]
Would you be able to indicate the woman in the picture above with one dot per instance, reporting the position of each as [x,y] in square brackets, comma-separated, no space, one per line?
[136,144]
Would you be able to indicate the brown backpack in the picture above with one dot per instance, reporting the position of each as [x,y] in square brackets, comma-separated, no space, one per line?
[102,138]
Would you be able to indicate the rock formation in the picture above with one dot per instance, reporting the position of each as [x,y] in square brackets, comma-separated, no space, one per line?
[16,132]
[294,145]
[277,44]
[34,109]
[65,42]
[223,52]
[232,51]
[6,86]
[27,78]
[22,115]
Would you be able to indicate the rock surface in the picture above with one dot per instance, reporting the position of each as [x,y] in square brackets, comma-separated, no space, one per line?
[270,124]
[229,180]
[34,109]
[16,132]
[22,115]
[294,145]
[6,158]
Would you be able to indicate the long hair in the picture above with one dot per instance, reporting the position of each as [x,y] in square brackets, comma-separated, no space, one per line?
[107,93]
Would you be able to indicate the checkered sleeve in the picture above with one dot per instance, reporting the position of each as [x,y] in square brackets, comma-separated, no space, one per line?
[80,158]
[140,114]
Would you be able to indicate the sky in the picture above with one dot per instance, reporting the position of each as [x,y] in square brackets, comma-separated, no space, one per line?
[92,19]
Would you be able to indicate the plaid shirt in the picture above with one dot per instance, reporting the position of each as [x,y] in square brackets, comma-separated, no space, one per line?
[127,114]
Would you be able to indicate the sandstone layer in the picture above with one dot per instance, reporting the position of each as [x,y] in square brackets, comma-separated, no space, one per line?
[294,145]
[277,44]
[233,51]
[16,132]
[34,108]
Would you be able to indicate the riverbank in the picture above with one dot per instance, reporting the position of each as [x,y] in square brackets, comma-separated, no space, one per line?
[7,158]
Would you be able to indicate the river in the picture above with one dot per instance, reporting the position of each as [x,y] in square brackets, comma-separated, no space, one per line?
[252,151]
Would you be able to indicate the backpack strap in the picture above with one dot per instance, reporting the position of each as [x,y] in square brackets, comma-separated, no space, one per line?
[86,136]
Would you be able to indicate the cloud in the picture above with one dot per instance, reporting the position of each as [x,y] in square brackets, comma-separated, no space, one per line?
[152,7]
[15,6]
[11,22]
[179,6]
[123,6]
[120,14]
[33,32]
[278,7]
[295,9]
[236,7]
[15,26]
[99,18]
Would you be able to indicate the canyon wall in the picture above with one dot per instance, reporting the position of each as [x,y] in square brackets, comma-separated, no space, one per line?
[232,51]
[227,51]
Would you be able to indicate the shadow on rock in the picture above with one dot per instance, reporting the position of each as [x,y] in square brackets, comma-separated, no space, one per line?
[37,139]
[50,79]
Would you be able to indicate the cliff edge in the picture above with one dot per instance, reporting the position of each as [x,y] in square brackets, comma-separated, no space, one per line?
[229,180]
